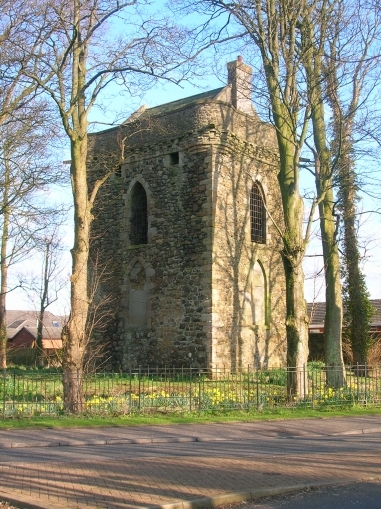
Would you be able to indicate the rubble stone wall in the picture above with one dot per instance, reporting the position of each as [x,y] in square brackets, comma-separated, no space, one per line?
[188,295]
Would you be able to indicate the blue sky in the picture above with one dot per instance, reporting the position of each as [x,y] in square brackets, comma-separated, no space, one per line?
[369,232]
[165,92]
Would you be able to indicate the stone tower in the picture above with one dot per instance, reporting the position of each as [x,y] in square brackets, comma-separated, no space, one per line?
[184,232]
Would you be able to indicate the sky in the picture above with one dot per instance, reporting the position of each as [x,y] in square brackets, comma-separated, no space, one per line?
[159,94]
[370,231]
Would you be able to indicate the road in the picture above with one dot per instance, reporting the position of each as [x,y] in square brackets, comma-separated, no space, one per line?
[184,464]
[360,495]
[255,449]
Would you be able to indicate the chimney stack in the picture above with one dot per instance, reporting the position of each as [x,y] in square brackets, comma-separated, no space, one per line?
[239,77]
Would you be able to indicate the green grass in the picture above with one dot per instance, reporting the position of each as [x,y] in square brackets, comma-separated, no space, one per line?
[185,418]
[36,399]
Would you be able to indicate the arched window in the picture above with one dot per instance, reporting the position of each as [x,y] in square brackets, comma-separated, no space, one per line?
[138,216]
[257,215]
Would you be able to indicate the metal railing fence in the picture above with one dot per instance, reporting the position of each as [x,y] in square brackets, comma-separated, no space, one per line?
[188,389]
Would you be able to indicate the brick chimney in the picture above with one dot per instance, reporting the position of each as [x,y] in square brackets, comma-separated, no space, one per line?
[239,77]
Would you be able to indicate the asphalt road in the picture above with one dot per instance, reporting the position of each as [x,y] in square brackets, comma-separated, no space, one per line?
[361,495]
[266,446]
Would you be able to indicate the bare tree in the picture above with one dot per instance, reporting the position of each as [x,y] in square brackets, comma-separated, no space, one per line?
[351,74]
[314,25]
[89,45]
[19,110]
[18,30]
[293,39]
[43,289]
[25,172]
[337,48]
[271,27]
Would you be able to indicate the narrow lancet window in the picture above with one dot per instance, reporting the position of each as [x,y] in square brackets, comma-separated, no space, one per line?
[138,217]
[257,215]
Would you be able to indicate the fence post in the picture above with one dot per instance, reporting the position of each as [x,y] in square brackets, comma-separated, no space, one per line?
[139,373]
[4,375]
[14,390]
[257,391]
[304,384]
[199,393]
[248,387]
[357,382]
[190,387]
[130,389]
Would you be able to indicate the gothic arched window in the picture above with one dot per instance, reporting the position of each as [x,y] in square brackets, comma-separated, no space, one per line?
[257,215]
[138,216]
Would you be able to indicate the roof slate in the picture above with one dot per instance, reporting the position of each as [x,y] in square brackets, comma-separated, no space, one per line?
[316,312]
[18,319]
[181,103]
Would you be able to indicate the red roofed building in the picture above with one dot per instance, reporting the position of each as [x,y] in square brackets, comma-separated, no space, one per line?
[22,330]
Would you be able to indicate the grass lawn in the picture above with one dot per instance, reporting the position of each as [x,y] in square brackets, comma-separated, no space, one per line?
[184,418]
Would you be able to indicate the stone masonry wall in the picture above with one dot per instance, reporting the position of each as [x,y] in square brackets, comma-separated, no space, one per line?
[248,281]
[181,297]
[172,261]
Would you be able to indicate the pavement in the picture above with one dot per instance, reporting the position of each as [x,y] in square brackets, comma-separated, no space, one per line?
[184,466]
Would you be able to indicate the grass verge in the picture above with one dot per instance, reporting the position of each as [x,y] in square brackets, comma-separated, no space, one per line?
[185,418]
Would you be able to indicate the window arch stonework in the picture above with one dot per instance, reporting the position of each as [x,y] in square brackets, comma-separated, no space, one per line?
[138,227]
[257,215]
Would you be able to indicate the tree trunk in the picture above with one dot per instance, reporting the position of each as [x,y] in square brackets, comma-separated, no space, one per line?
[4,273]
[333,314]
[359,310]
[296,330]
[74,335]
[3,322]
[358,307]
[40,324]
[323,178]
[43,304]
[292,255]
[3,293]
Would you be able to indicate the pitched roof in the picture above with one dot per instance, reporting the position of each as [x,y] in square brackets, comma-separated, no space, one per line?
[18,319]
[316,313]
[176,105]
[18,315]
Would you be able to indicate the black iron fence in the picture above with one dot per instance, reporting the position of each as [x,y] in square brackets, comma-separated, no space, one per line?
[188,390]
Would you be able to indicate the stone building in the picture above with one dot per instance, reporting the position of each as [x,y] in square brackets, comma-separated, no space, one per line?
[184,233]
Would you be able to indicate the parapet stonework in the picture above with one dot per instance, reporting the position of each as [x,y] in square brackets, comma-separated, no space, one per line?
[185,255]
